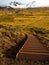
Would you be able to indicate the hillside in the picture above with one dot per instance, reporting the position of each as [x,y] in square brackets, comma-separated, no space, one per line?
[15,22]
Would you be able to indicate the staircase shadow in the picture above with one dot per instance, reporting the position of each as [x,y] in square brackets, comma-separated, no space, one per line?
[11,53]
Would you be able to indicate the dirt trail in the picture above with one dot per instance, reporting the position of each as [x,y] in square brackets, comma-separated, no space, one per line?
[33,49]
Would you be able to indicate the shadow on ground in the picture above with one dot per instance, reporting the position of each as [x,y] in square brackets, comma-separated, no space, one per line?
[11,53]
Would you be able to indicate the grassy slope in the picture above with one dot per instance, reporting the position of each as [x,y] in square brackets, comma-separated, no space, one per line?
[26,19]
[34,21]
[32,17]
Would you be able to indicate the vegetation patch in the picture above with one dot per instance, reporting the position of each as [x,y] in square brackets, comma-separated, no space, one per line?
[42,35]
[10,40]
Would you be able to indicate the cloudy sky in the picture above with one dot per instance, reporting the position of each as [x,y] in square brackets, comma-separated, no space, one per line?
[39,3]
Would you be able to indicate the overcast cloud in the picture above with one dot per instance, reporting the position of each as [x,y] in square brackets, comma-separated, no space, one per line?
[38,2]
